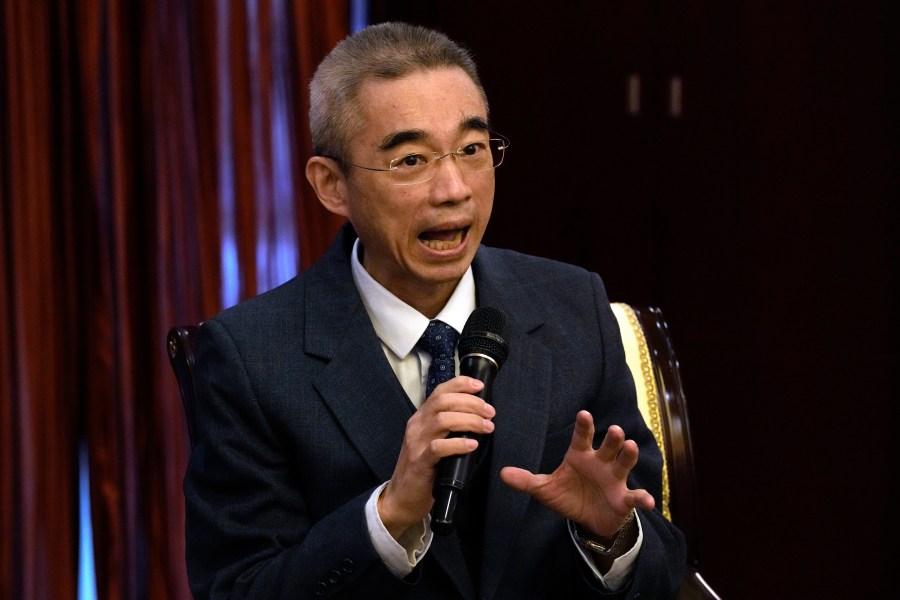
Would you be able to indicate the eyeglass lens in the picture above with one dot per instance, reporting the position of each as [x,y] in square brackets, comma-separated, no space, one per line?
[477,156]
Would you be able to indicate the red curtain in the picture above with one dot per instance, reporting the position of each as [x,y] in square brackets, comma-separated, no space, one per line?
[151,171]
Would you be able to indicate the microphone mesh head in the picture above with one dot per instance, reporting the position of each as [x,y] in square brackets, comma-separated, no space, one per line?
[485,332]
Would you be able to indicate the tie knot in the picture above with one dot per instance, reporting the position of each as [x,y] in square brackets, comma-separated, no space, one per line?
[439,340]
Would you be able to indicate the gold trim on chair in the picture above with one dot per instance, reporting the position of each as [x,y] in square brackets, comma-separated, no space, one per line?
[637,356]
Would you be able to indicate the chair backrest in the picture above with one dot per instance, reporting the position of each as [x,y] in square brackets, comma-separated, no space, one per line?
[180,345]
[651,359]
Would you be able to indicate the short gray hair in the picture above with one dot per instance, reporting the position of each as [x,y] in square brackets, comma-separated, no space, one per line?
[387,50]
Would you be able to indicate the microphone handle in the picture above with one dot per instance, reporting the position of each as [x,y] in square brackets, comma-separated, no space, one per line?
[454,472]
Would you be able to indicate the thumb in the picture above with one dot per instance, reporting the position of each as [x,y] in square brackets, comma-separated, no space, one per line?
[519,479]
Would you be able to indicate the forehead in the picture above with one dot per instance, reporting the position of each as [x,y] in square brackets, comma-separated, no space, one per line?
[439,105]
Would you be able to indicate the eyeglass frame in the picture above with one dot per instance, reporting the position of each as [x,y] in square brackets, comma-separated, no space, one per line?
[437,158]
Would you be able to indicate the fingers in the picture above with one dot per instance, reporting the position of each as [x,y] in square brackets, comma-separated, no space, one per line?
[640,499]
[456,414]
[451,409]
[628,455]
[611,448]
[445,425]
[583,436]
[460,385]
[451,446]
[522,480]
[515,478]
[621,453]
[456,394]
[612,444]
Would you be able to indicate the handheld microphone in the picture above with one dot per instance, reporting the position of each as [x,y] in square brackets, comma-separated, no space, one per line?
[482,351]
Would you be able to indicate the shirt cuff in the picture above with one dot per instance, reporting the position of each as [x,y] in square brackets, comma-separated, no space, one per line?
[400,557]
[619,573]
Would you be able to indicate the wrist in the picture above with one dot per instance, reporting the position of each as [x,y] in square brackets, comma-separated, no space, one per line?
[616,546]
[395,518]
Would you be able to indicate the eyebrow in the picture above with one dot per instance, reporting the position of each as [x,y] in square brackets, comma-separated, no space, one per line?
[474,124]
[396,138]
[392,140]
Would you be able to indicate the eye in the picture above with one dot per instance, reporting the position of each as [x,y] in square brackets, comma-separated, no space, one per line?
[410,161]
[473,149]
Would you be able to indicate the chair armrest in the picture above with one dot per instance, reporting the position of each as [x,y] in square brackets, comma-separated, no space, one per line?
[694,587]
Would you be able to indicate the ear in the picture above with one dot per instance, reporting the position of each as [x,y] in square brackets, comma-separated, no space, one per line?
[328,181]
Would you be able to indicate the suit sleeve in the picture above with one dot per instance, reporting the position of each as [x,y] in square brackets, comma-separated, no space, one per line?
[250,533]
[660,566]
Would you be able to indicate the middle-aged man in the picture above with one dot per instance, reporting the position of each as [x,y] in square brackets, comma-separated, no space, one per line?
[318,435]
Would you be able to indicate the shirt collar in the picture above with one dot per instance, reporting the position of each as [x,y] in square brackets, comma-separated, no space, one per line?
[397,324]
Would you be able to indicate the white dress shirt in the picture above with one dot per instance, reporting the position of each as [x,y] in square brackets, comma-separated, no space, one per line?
[399,327]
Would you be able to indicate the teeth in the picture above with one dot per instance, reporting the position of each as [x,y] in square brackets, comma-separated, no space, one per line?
[444,245]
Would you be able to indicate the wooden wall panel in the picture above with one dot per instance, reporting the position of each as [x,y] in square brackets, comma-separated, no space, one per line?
[763,222]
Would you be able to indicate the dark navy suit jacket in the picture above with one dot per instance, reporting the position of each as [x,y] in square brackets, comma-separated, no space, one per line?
[301,417]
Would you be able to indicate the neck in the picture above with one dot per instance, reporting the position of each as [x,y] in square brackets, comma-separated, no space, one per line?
[429,301]
[430,308]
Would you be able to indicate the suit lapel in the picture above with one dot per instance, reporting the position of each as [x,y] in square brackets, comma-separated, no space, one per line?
[359,386]
[365,397]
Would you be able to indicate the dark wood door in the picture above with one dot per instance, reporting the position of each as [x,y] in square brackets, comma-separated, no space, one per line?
[751,193]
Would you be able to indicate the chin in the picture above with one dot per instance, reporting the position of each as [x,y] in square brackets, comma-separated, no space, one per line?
[446,273]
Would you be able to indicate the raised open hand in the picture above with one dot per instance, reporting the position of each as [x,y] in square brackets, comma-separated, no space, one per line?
[590,486]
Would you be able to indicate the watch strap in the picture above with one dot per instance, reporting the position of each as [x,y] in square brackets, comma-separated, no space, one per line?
[602,549]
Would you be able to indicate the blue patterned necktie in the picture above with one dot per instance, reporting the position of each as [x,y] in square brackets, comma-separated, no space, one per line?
[439,340]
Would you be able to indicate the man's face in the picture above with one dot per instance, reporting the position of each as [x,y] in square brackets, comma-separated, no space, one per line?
[420,238]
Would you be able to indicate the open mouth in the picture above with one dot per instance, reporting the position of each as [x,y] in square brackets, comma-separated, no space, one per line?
[443,240]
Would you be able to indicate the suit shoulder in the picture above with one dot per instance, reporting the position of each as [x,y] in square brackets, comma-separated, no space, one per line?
[534,267]
[270,306]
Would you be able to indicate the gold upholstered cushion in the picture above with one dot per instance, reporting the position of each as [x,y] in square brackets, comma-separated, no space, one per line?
[639,361]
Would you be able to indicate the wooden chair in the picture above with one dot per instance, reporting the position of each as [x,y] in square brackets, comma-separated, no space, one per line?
[655,368]
[180,345]
[651,358]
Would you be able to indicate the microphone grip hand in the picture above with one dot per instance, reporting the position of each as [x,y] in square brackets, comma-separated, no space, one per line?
[483,350]
[455,472]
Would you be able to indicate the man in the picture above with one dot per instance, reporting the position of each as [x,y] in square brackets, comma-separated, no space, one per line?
[318,443]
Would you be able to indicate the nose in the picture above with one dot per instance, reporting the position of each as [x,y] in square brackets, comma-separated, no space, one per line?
[449,182]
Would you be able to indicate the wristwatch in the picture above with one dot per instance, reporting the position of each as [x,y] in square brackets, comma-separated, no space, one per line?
[602,550]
